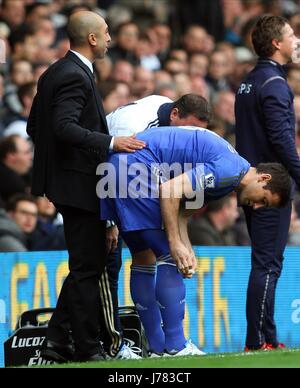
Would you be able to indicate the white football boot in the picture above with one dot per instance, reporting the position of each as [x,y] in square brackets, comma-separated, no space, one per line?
[189,350]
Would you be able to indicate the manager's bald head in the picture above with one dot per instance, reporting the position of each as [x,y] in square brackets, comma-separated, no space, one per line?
[81,24]
[88,30]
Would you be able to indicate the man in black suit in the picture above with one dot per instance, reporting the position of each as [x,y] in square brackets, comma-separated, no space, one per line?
[68,126]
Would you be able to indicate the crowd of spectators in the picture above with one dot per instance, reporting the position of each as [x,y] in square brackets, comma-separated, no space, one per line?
[162,47]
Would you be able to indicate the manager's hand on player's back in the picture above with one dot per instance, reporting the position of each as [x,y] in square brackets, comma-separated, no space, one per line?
[128,144]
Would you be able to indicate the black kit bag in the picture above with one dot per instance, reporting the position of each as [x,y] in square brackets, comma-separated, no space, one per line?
[133,331]
[23,346]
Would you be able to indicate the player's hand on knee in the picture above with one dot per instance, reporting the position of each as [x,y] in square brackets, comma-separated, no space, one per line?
[112,236]
[128,144]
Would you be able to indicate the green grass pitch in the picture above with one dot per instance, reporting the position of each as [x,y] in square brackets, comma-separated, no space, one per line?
[271,359]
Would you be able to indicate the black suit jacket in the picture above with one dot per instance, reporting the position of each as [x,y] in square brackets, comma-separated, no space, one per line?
[68,126]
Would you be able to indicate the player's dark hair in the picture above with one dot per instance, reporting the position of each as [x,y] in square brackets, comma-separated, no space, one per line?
[193,104]
[281,182]
[267,28]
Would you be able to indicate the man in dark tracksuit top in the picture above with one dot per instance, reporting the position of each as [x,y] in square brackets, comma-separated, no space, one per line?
[265,123]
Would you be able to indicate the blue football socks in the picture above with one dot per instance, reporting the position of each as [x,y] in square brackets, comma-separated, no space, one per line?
[142,287]
[170,294]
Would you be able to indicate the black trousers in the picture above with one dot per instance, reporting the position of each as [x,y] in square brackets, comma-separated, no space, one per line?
[268,230]
[114,264]
[85,303]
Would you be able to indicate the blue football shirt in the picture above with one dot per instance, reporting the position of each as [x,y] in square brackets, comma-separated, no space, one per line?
[212,164]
